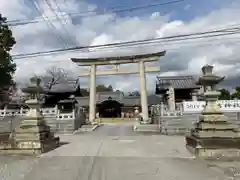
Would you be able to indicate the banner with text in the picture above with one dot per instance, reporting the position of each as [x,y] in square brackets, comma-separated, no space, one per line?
[225,105]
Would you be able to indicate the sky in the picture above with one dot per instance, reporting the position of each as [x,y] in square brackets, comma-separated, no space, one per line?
[70,23]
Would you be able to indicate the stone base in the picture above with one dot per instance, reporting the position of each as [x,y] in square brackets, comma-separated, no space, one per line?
[152,128]
[214,148]
[31,137]
[145,121]
[29,147]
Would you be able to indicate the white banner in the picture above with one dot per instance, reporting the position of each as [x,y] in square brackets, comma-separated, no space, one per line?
[225,105]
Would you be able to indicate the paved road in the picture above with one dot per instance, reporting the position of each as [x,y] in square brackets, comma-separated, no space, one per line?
[114,152]
[115,129]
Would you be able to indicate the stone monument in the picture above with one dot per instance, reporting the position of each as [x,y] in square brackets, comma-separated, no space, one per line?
[195,95]
[32,136]
[136,113]
[213,137]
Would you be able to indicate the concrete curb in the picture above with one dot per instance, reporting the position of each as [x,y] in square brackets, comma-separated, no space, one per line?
[146,128]
[96,126]
[87,128]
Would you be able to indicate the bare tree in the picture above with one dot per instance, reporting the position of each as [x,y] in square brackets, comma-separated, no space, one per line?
[54,76]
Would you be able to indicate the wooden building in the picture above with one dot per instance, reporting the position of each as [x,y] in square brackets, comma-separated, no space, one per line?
[115,104]
[184,86]
[62,95]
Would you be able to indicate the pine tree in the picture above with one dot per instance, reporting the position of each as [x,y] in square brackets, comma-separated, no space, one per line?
[7,66]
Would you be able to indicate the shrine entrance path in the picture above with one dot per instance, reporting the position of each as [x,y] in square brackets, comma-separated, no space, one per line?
[114,152]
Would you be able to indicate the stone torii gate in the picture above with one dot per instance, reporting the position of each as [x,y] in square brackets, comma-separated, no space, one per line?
[92,72]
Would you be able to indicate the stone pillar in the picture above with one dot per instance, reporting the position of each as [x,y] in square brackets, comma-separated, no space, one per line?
[122,114]
[136,111]
[97,115]
[171,99]
[92,94]
[143,92]
[194,96]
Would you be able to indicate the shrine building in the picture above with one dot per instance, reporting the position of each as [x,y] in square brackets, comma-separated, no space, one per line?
[185,87]
[115,104]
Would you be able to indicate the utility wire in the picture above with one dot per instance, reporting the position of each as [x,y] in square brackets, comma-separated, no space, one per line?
[95,13]
[60,21]
[221,32]
[172,49]
[178,39]
[128,45]
[67,14]
[48,23]
[167,43]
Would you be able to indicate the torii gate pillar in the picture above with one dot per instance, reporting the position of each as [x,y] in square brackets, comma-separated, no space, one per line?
[143,92]
[92,94]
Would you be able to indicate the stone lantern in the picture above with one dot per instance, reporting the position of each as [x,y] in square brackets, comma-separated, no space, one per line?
[214,136]
[33,136]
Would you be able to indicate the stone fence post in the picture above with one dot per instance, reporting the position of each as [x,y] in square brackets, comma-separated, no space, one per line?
[21,111]
[238,116]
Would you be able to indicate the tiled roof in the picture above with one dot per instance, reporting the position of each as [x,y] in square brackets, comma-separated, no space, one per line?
[102,96]
[177,82]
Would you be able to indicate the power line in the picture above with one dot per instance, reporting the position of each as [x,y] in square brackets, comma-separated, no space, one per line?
[168,42]
[48,23]
[128,45]
[169,49]
[206,34]
[63,26]
[67,14]
[94,13]
[179,39]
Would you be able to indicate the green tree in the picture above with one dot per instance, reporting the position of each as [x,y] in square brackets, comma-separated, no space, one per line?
[236,94]
[7,66]
[225,94]
[84,92]
[134,93]
[103,88]
[99,88]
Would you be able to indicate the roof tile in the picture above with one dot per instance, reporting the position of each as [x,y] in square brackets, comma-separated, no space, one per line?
[177,82]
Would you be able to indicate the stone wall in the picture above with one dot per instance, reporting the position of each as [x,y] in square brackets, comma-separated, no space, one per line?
[59,122]
[178,122]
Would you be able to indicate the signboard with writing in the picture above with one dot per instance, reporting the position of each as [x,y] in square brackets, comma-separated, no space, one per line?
[225,106]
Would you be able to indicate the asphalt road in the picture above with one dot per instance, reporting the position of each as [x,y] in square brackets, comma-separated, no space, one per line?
[114,152]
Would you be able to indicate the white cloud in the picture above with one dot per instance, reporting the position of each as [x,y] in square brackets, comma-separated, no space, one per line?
[14,9]
[181,58]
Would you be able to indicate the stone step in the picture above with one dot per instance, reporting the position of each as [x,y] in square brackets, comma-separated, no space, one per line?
[175,132]
[147,128]
[114,120]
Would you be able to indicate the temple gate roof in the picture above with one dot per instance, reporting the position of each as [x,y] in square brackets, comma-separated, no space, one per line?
[177,82]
